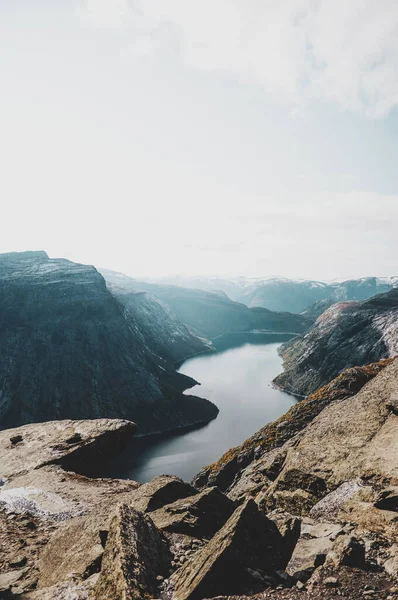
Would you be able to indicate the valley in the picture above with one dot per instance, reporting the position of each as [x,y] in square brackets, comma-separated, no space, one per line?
[116,392]
[238,382]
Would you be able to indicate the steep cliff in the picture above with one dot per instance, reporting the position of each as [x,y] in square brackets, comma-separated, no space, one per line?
[72,349]
[346,335]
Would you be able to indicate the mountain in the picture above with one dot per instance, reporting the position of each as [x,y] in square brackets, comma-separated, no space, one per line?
[210,314]
[292,295]
[72,348]
[348,334]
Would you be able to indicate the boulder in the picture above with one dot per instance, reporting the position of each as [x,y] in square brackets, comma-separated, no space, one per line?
[388,499]
[330,505]
[200,516]
[308,554]
[289,527]
[75,549]
[160,491]
[391,564]
[347,551]
[248,540]
[136,555]
[312,548]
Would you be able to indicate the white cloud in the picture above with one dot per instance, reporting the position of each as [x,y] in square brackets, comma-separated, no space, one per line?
[340,51]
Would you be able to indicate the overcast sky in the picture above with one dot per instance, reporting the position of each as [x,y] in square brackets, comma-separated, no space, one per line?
[230,137]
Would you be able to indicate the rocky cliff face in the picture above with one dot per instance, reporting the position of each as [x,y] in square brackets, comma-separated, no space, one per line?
[301,519]
[211,314]
[71,348]
[347,334]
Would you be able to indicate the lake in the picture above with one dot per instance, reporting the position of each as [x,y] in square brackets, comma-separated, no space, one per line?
[238,382]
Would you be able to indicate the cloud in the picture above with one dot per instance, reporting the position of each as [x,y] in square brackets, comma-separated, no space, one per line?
[298,50]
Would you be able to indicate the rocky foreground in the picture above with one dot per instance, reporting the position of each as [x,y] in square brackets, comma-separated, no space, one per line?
[307,509]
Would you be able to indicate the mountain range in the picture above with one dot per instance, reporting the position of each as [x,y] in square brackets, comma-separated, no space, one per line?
[283,294]
[210,314]
[72,349]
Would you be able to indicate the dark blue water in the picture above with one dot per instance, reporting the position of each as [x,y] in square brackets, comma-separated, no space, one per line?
[238,382]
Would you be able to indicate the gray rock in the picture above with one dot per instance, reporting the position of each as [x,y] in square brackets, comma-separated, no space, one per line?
[201,515]
[135,556]
[160,491]
[247,540]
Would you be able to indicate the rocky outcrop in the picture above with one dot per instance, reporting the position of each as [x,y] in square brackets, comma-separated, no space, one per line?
[335,472]
[39,499]
[348,334]
[72,348]
[161,491]
[248,544]
[67,443]
[200,516]
[135,554]
[211,314]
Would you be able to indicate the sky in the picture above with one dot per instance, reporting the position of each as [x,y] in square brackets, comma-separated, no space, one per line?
[221,137]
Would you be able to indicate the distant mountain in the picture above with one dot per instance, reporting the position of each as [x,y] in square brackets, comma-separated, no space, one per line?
[210,314]
[348,334]
[292,295]
[72,348]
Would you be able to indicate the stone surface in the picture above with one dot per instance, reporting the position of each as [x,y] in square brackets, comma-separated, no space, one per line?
[247,540]
[200,516]
[68,443]
[388,499]
[309,553]
[160,491]
[135,556]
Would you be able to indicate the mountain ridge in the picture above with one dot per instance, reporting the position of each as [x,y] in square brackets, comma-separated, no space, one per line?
[75,350]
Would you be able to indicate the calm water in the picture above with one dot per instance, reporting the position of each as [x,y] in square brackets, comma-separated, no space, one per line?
[238,382]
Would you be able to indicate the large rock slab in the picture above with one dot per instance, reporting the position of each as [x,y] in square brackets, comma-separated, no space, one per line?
[135,555]
[74,551]
[57,495]
[200,516]
[72,444]
[160,491]
[248,540]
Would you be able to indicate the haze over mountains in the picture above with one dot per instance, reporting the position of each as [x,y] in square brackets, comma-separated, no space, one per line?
[284,294]
[211,314]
